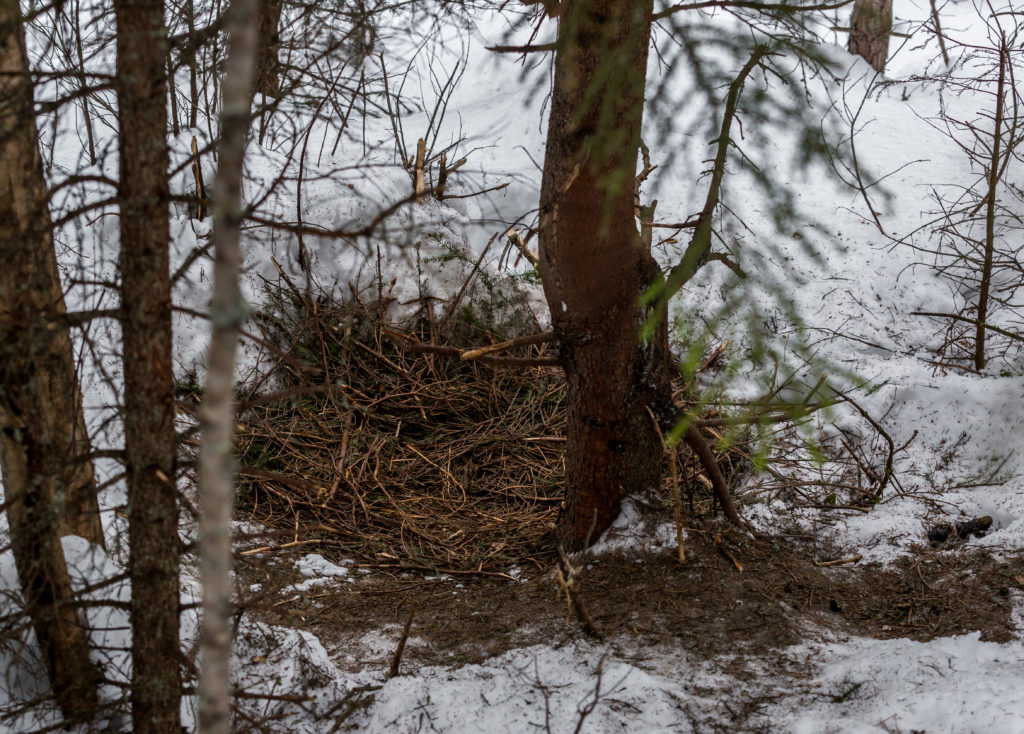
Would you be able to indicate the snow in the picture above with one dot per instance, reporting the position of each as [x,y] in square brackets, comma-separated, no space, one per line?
[837,686]
[855,296]
[951,684]
[318,572]
[629,532]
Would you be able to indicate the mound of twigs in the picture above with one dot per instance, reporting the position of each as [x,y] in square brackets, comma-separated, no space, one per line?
[405,459]
[376,441]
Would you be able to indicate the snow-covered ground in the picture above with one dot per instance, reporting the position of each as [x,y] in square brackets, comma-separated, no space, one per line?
[856,294]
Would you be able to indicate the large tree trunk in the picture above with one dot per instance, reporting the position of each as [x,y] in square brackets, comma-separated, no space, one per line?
[48,480]
[227,312]
[870,26]
[150,449]
[594,265]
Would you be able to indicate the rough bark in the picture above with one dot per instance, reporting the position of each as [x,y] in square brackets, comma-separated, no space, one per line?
[268,70]
[870,26]
[227,312]
[594,265]
[48,482]
[148,377]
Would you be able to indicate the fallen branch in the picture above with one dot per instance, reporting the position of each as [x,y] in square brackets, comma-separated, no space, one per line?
[417,346]
[881,432]
[975,322]
[517,241]
[521,341]
[838,562]
[707,459]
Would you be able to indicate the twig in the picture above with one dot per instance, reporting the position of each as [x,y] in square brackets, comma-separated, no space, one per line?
[700,244]
[469,278]
[523,49]
[714,356]
[517,241]
[396,659]
[957,317]
[720,545]
[275,548]
[881,432]
[521,341]
[676,497]
[567,580]
[838,562]
[418,346]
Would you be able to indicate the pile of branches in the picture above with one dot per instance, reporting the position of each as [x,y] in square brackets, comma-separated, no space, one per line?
[397,457]
[374,440]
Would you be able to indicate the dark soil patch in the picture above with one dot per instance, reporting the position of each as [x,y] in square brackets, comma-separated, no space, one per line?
[707,606]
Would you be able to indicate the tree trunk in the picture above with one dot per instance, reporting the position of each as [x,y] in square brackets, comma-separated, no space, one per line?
[217,414]
[594,265]
[150,449]
[268,69]
[48,480]
[870,26]
[990,208]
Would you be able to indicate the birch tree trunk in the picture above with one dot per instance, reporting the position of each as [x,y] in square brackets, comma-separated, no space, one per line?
[227,312]
[48,481]
[594,265]
[150,444]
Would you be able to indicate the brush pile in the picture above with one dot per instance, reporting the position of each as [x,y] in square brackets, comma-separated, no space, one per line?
[366,443]
[404,459]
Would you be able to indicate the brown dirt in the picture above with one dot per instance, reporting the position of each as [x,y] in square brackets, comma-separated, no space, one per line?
[707,606]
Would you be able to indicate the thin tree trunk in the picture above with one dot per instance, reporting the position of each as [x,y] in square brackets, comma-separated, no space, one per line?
[227,312]
[193,81]
[77,10]
[268,73]
[173,90]
[594,265]
[870,27]
[48,483]
[150,448]
[990,211]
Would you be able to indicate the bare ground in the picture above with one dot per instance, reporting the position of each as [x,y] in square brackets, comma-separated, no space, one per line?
[706,608]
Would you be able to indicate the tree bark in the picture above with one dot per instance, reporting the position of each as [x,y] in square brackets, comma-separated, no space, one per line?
[150,449]
[594,265]
[870,26]
[48,482]
[227,312]
[268,71]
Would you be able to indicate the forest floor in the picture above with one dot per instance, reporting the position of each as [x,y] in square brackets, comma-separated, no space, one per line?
[369,474]
[737,608]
